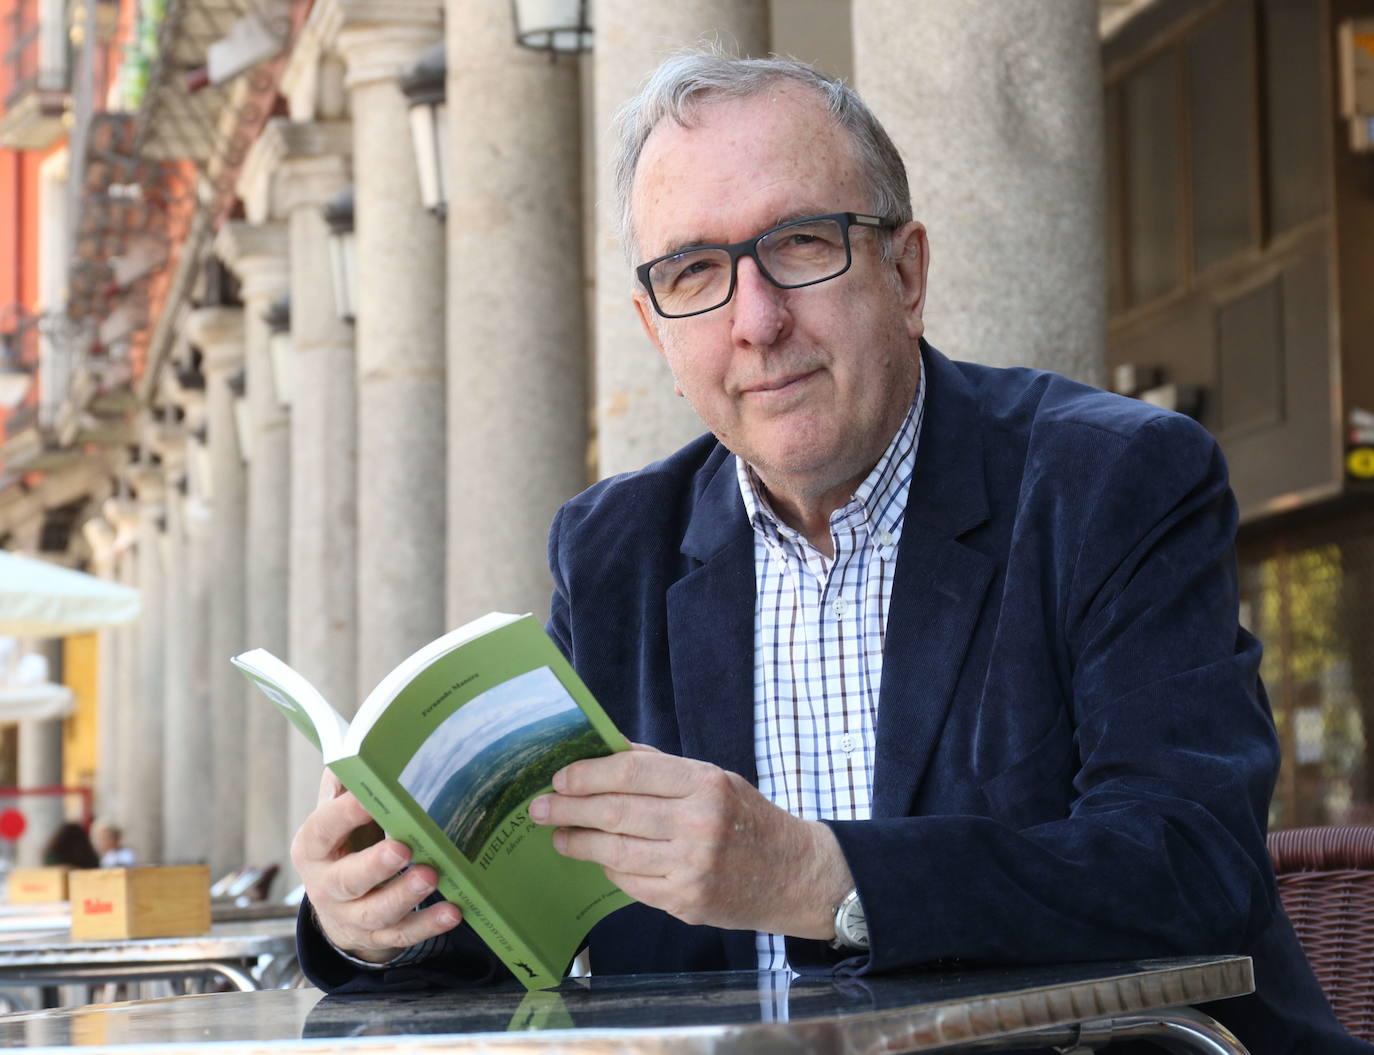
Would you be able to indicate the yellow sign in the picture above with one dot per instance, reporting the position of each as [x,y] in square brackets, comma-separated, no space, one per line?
[1359,463]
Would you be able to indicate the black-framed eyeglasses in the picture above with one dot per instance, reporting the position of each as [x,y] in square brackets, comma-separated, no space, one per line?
[799,253]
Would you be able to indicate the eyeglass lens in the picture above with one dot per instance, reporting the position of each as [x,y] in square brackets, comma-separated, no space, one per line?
[796,255]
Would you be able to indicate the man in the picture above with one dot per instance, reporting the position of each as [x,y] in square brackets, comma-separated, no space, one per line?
[108,838]
[937,660]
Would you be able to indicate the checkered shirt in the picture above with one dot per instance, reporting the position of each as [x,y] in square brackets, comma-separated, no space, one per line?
[819,628]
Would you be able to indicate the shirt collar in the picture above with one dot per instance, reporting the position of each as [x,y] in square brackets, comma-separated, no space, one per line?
[880,499]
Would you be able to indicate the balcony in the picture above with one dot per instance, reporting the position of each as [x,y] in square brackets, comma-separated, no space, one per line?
[37,60]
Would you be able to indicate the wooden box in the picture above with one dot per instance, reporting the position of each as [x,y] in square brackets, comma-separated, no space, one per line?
[140,902]
[38,886]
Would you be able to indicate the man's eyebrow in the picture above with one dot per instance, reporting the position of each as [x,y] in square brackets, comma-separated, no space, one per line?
[695,242]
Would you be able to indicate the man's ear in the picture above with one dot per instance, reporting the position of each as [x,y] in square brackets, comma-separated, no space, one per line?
[646,317]
[645,309]
[911,258]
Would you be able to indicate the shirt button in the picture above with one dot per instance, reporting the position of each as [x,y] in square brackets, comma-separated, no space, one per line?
[885,538]
[841,606]
[847,744]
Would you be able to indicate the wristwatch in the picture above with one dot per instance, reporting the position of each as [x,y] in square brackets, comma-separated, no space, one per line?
[851,926]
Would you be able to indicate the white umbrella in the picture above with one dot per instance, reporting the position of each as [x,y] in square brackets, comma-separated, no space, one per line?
[38,599]
[19,703]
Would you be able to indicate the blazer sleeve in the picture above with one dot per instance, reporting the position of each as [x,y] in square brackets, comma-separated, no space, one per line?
[1161,850]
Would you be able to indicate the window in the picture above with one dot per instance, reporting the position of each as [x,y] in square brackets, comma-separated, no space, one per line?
[1215,144]
[1221,127]
[1294,101]
[1150,108]
[1309,601]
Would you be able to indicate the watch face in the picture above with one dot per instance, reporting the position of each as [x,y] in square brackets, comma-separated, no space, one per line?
[852,925]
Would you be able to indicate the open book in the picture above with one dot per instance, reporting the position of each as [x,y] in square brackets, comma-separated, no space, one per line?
[446,754]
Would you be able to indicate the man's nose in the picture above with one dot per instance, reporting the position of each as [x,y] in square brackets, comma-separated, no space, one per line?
[760,308]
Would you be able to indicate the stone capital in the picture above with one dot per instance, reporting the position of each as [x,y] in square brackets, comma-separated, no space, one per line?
[170,443]
[379,39]
[262,182]
[218,333]
[193,408]
[150,485]
[256,252]
[310,182]
[310,161]
[334,16]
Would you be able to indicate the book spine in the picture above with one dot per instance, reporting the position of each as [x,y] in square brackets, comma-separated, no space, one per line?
[401,818]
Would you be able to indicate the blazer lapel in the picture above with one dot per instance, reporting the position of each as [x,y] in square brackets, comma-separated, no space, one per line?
[938,591]
[711,631]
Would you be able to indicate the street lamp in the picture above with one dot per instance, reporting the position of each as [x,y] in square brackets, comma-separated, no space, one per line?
[423,85]
[553,25]
[278,319]
[343,259]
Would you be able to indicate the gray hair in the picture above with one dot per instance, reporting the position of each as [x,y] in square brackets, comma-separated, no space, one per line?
[687,79]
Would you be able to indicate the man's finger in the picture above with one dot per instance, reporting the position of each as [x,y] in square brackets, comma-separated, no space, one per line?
[387,903]
[328,828]
[330,787]
[642,816]
[616,853]
[632,772]
[355,875]
[414,927]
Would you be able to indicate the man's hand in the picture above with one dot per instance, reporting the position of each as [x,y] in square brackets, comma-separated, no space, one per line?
[698,842]
[360,902]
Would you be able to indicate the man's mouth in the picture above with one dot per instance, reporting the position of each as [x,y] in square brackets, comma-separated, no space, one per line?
[778,384]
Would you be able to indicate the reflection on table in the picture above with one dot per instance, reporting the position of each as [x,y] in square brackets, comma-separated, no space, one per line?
[701,1014]
[243,955]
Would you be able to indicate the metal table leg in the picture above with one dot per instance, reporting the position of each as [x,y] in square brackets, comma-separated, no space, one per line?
[1184,1030]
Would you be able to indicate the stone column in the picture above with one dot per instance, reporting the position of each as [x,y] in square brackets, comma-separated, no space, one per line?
[517,358]
[400,341]
[141,772]
[189,749]
[40,766]
[256,252]
[99,534]
[997,109]
[638,418]
[218,333]
[311,165]
[121,758]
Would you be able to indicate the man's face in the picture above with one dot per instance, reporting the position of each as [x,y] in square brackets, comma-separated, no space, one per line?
[807,385]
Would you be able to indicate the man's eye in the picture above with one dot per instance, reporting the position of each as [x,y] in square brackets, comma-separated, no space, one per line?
[692,270]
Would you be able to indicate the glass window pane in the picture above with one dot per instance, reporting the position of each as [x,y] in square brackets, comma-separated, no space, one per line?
[1222,123]
[1294,164]
[1150,98]
[1310,605]
[1116,295]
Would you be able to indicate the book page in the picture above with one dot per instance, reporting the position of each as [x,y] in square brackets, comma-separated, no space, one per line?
[296,698]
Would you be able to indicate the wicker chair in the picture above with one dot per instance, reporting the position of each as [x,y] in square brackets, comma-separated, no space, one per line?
[1326,882]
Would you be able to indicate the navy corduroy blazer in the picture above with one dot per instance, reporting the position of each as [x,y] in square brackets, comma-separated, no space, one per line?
[1074,753]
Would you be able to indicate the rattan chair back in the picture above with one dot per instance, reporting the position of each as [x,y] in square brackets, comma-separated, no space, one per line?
[1326,882]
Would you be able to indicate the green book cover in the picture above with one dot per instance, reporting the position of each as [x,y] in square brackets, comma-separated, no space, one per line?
[446,754]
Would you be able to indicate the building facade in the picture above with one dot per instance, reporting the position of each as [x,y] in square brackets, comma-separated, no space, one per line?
[336,316]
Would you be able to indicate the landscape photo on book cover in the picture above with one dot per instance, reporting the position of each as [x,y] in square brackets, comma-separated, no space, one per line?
[487,758]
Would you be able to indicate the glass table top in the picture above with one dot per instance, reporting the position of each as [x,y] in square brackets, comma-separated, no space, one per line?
[715,1012]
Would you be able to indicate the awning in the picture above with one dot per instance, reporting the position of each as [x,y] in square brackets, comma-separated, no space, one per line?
[38,599]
